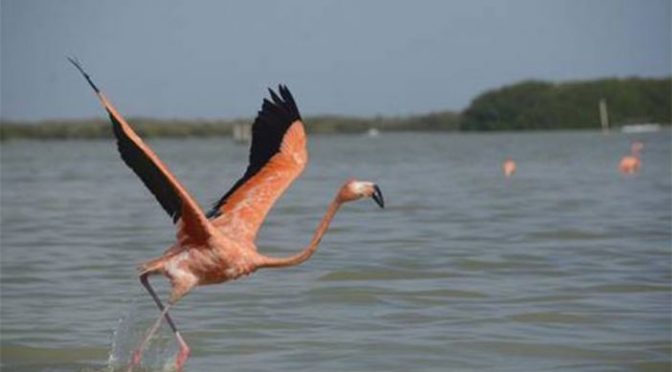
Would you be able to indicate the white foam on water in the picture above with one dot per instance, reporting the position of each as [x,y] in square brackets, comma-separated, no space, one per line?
[159,355]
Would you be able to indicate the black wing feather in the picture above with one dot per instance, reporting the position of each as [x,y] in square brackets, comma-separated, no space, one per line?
[269,128]
[275,98]
[290,103]
[147,171]
[139,162]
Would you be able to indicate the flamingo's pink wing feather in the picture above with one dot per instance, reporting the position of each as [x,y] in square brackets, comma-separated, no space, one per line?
[278,155]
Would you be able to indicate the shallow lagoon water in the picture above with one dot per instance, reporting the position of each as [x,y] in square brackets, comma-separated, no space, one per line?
[565,266]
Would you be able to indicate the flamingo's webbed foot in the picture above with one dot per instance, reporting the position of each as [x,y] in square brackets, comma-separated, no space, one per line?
[183,355]
[135,360]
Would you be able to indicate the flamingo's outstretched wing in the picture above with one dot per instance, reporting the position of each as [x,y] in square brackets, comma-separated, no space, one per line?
[173,197]
[277,157]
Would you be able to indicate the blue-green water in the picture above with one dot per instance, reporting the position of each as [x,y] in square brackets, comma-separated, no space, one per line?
[565,266]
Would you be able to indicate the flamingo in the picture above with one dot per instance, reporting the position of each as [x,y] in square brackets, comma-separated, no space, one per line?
[509,167]
[630,164]
[219,246]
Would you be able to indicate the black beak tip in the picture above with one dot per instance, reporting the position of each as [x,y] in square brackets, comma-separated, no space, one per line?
[378,196]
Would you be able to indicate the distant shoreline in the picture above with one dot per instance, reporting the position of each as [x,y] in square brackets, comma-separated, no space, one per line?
[157,128]
[528,105]
[98,129]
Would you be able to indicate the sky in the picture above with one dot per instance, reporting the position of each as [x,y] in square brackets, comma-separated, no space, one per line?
[213,59]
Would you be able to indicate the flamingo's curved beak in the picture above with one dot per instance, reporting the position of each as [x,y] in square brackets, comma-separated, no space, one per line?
[378,196]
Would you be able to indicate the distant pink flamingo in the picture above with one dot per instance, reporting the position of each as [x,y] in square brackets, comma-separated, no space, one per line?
[219,246]
[509,167]
[631,163]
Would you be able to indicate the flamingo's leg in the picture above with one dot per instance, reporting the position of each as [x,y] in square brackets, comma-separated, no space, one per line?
[137,354]
[184,348]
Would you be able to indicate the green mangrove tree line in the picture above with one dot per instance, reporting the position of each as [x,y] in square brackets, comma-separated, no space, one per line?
[544,105]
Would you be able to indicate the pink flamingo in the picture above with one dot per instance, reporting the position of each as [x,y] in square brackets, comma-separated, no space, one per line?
[630,164]
[509,167]
[219,245]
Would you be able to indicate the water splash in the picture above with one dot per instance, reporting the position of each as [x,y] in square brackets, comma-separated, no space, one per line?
[162,349]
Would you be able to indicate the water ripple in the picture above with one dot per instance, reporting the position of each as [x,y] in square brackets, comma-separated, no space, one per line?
[566,266]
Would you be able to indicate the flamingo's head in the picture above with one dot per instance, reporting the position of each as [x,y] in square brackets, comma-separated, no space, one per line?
[636,147]
[354,190]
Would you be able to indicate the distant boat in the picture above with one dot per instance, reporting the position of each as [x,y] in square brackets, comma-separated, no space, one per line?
[373,132]
[640,128]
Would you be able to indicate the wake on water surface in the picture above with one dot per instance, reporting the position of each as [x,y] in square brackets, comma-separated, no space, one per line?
[160,353]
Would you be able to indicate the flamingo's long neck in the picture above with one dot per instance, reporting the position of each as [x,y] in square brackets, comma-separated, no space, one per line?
[311,248]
